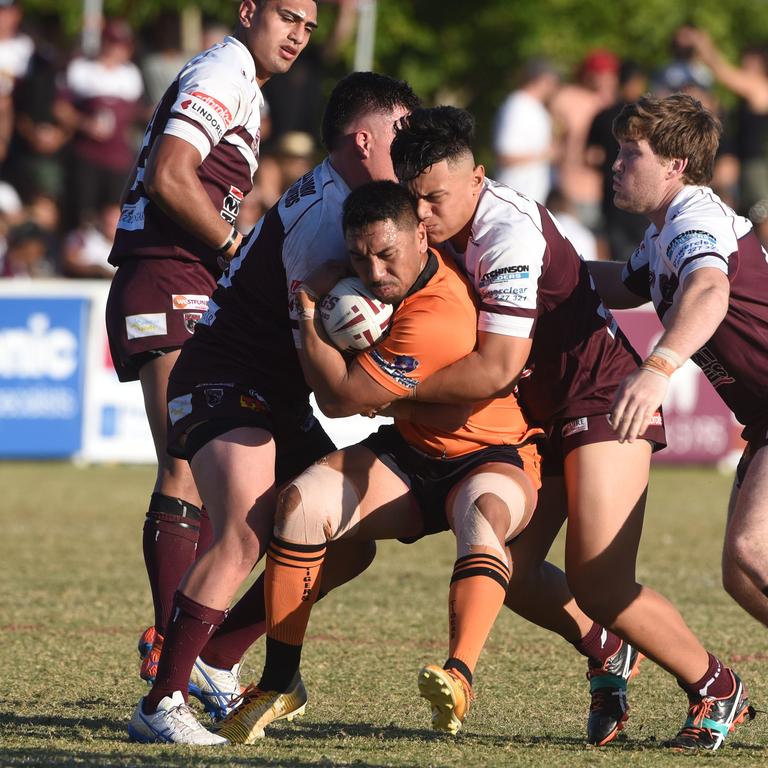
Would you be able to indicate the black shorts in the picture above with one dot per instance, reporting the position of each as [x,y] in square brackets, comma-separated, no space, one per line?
[431,479]
[567,434]
[201,412]
[153,306]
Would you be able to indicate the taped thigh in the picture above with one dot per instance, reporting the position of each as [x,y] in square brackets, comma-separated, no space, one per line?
[320,505]
[470,525]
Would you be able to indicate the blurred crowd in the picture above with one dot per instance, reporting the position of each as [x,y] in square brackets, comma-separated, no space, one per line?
[70,127]
[552,136]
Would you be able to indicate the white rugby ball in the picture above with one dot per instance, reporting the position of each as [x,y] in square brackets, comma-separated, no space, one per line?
[352,316]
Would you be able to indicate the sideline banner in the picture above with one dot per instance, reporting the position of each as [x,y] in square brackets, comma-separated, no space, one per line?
[42,371]
[60,397]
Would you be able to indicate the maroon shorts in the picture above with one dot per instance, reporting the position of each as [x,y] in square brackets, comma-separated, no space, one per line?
[568,434]
[756,436]
[153,306]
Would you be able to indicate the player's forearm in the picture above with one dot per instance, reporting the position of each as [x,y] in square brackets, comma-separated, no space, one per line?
[694,318]
[606,275]
[179,193]
[325,368]
[471,379]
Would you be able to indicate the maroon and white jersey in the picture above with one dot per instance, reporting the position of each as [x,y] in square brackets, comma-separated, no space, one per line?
[531,283]
[250,332]
[700,230]
[214,105]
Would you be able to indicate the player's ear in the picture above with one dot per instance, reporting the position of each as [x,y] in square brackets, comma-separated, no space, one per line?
[246,12]
[478,177]
[677,166]
[421,237]
[363,143]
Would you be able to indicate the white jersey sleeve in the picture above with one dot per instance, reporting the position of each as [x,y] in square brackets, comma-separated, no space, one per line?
[636,272]
[215,95]
[507,276]
[689,244]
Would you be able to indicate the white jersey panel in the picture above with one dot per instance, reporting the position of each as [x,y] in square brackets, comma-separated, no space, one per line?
[504,260]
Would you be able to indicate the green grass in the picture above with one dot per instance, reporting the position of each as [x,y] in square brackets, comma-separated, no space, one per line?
[74,598]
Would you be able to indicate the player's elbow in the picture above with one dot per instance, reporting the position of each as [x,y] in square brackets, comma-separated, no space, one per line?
[336,407]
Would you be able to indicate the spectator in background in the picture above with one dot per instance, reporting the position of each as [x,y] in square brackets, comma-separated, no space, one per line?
[87,248]
[15,52]
[161,65]
[621,231]
[102,103]
[574,108]
[26,253]
[522,137]
[35,162]
[294,155]
[581,237]
[749,81]
[684,69]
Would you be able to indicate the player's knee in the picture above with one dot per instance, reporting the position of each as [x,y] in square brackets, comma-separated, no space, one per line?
[480,513]
[318,506]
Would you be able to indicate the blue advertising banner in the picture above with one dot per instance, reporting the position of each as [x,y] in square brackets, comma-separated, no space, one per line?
[42,372]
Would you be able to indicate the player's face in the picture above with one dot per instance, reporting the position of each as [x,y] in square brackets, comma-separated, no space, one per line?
[276,32]
[642,181]
[447,196]
[388,258]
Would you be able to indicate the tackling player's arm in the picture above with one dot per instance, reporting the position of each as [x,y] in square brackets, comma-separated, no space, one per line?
[491,371]
[689,323]
[608,279]
[171,181]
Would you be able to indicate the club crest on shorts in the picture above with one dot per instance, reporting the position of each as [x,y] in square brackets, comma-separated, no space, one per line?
[253,402]
[213,396]
[190,320]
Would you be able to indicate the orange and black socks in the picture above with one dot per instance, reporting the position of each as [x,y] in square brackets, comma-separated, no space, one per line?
[478,586]
[290,589]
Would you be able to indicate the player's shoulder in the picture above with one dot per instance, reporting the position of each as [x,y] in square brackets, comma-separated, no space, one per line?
[505,220]
[227,62]
[698,219]
[311,208]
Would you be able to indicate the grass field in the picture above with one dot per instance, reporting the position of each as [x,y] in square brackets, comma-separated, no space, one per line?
[73,600]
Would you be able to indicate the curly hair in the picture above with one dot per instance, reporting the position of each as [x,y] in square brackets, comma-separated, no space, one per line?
[427,136]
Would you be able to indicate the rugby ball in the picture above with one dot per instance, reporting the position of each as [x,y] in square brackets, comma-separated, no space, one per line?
[353,317]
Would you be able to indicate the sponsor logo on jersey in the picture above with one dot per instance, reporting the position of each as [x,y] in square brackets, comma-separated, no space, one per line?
[693,242]
[657,420]
[191,319]
[504,274]
[398,368]
[253,402]
[206,114]
[189,301]
[575,426]
[179,407]
[515,294]
[141,326]
[301,188]
[231,205]
[219,108]
[712,368]
[213,396]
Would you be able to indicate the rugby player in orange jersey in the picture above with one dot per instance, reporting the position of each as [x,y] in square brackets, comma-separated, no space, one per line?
[477,476]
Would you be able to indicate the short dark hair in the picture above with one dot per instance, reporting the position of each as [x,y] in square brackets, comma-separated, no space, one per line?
[677,126]
[379,201]
[360,93]
[427,136]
